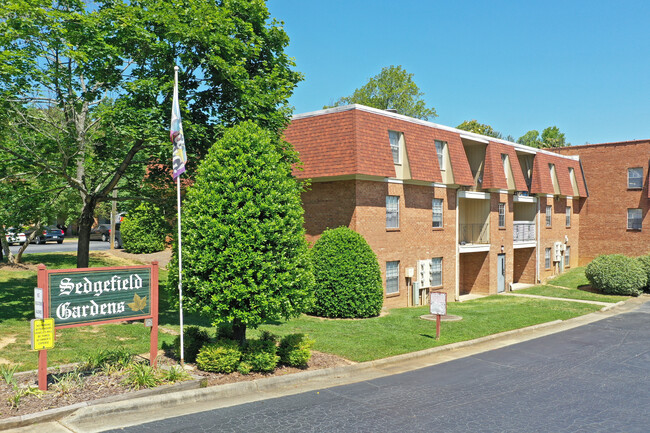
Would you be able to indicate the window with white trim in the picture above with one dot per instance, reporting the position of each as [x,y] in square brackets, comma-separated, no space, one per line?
[392,211]
[395,138]
[440,150]
[549,213]
[634,219]
[568,216]
[502,215]
[437,212]
[504,161]
[436,272]
[567,256]
[547,258]
[392,277]
[635,177]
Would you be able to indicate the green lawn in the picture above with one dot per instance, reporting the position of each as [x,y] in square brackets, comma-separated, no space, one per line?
[400,331]
[572,279]
[403,331]
[558,292]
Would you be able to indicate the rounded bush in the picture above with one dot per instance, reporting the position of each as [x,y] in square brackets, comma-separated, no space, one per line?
[144,230]
[193,340]
[295,350]
[616,274]
[261,355]
[221,357]
[347,276]
[645,264]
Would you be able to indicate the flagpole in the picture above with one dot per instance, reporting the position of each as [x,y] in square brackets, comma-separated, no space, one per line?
[180,258]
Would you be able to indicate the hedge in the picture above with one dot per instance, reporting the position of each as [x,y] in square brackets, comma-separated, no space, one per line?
[617,274]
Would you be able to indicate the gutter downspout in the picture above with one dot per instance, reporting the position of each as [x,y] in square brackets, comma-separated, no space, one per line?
[457,249]
[538,236]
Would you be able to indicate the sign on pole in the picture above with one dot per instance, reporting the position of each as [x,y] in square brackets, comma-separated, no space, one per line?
[38,303]
[42,334]
[438,306]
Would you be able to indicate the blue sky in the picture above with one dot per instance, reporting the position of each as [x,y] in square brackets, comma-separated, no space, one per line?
[583,66]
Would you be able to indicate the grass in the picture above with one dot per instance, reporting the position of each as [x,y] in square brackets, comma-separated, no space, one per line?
[403,331]
[557,292]
[399,332]
[571,279]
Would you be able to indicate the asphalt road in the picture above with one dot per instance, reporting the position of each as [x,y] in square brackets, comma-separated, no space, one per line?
[68,245]
[594,378]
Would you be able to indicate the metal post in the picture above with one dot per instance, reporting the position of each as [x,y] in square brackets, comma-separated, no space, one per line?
[180,265]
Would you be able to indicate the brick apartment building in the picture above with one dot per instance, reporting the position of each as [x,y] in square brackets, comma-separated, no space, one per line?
[615,218]
[443,209]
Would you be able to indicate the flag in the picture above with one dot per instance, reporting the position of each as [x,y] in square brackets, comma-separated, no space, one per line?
[179,158]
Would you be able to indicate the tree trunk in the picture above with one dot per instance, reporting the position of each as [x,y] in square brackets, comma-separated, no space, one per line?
[239,331]
[86,221]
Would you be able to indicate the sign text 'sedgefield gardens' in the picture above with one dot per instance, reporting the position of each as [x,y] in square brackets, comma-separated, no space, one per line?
[85,297]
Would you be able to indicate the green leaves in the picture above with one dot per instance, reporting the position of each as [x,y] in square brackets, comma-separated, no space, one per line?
[244,252]
[392,88]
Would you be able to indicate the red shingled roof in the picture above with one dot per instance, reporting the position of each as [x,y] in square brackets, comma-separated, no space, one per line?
[459,163]
[493,175]
[542,183]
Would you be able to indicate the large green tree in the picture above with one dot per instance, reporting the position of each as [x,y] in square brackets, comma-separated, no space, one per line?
[92,83]
[479,128]
[550,137]
[244,250]
[392,88]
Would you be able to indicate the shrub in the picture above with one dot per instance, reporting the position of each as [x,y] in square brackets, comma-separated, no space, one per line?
[616,274]
[220,357]
[261,355]
[295,350]
[348,278]
[143,230]
[141,375]
[193,340]
[645,264]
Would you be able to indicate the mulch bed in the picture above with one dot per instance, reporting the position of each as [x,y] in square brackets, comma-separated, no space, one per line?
[98,385]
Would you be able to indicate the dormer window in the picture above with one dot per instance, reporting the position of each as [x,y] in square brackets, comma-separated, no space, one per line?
[440,150]
[395,140]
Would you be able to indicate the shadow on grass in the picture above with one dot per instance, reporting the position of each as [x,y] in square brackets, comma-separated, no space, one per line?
[17,297]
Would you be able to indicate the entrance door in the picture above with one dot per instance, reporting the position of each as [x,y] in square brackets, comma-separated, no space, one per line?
[501,273]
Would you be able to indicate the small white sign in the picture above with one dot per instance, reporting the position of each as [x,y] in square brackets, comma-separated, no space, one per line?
[438,303]
[38,303]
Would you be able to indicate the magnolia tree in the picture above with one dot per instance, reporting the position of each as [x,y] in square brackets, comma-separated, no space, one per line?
[85,88]
[245,258]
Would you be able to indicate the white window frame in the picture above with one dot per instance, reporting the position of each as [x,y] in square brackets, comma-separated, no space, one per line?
[440,151]
[502,215]
[549,216]
[395,139]
[392,211]
[505,160]
[436,272]
[567,257]
[437,205]
[632,176]
[568,216]
[547,258]
[392,277]
[631,219]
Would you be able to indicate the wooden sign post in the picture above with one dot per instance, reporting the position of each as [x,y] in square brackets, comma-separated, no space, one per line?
[95,296]
[438,306]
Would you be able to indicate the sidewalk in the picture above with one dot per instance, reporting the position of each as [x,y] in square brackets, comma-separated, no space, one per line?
[134,411]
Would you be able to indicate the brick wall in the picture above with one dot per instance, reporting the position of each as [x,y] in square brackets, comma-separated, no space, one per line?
[524,265]
[328,205]
[558,232]
[475,273]
[603,221]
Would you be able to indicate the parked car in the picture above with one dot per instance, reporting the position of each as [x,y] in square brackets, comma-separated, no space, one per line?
[103,233]
[48,233]
[14,236]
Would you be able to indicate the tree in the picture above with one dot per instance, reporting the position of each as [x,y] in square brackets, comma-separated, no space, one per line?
[551,137]
[245,258]
[479,128]
[92,85]
[392,88]
[531,138]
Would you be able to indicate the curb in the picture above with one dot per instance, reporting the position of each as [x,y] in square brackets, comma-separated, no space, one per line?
[191,391]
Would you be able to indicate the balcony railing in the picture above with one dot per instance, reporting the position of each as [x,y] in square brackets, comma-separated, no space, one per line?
[523,231]
[474,234]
